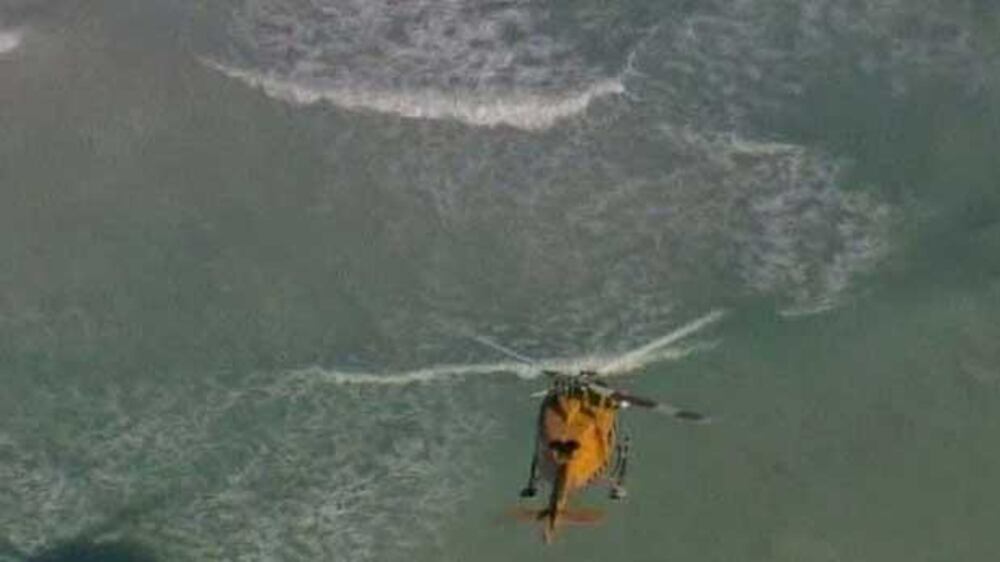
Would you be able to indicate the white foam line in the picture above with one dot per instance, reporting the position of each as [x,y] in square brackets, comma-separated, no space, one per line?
[527,111]
[634,359]
[657,350]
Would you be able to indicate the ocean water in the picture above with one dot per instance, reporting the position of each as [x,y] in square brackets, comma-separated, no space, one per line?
[247,248]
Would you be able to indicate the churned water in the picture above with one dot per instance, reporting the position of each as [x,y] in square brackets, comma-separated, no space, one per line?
[250,250]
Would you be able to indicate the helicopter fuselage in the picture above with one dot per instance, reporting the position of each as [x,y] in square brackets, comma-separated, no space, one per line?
[577,432]
[576,442]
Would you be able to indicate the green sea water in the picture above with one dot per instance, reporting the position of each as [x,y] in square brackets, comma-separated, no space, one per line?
[204,274]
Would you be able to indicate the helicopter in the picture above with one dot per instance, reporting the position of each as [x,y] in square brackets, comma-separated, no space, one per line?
[580,442]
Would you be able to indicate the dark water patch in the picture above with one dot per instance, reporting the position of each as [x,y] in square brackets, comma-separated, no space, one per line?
[927,149]
[87,551]
[936,139]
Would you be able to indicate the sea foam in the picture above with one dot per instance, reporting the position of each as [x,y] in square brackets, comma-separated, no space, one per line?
[484,64]
[526,110]
[10,39]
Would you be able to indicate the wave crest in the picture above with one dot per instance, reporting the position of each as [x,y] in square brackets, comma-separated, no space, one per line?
[479,63]
[526,110]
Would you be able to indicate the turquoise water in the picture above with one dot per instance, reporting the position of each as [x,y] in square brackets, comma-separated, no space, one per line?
[246,247]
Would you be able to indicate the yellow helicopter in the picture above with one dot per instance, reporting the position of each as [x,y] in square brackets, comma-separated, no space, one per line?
[579,442]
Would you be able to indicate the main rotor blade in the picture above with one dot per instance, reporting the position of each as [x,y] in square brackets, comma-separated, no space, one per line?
[634,359]
[585,374]
[680,414]
[662,408]
[505,350]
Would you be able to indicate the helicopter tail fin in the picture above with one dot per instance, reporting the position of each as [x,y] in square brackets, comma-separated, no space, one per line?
[574,516]
[582,515]
[577,515]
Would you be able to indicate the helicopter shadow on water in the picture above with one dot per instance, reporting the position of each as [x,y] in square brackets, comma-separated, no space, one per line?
[85,550]
[98,543]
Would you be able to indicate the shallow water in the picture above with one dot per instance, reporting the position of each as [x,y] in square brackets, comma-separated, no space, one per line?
[248,247]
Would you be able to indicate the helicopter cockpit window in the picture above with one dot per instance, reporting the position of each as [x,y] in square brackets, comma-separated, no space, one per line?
[567,446]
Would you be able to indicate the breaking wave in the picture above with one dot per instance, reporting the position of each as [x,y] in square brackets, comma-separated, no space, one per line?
[483,64]
[527,111]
